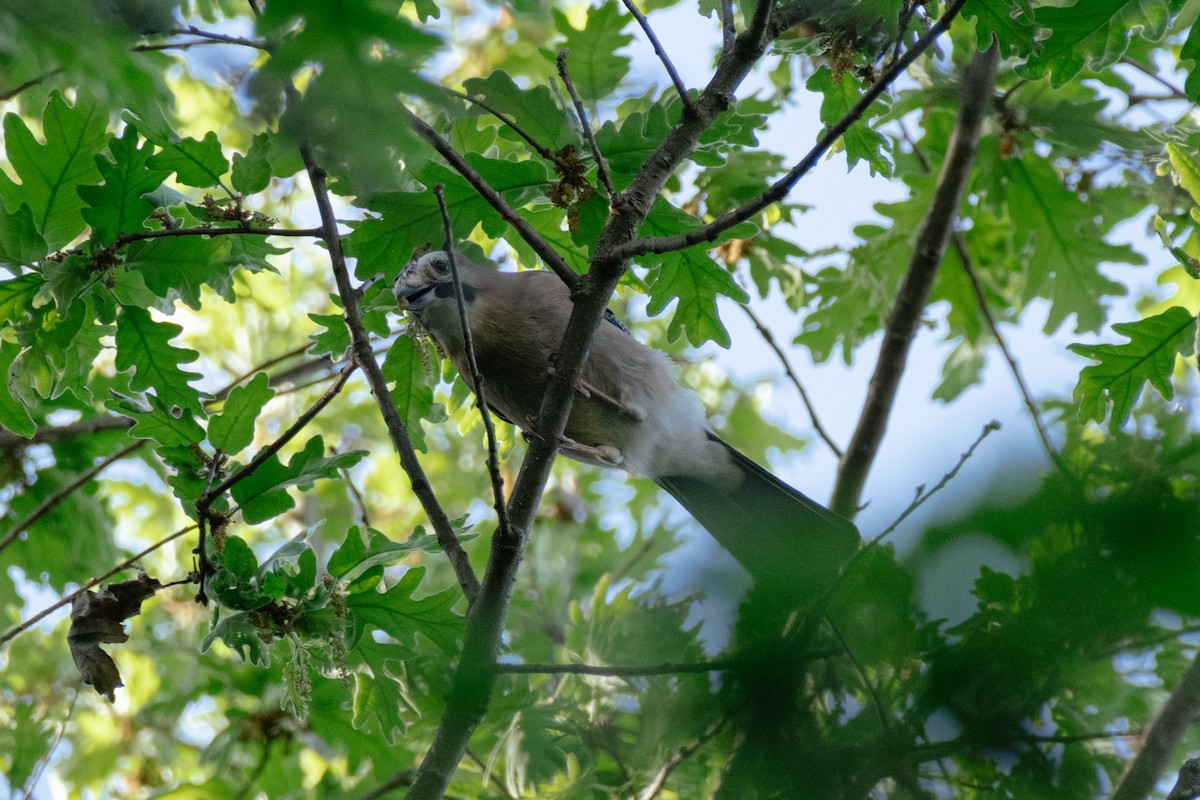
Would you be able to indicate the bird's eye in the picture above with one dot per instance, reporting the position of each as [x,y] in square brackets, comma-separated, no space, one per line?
[442,265]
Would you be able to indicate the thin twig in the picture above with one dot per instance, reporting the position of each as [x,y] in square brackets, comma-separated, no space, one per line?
[399,780]
[53,501]
[167,233]
[610,671]
[293,353]
[221,38]
[659,780]
[769,338]
[601,164]
[928,251]
[923,496]
[44,761]
[483,769]
[58,433]
[1176,92]
[662,54]
[728,31]
[206,500]
[861,669]
[364,357]
[509,122]
[359,501]
[964,257]
[493,459]
[780,189]
[535,240]
[205,520]
[29,84]
[124,565]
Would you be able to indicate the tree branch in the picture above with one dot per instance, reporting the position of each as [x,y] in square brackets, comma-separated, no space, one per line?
[661,53]
[541,149]
[493,459]
[526,231]
[364,357]
[611,671]
[780,189]
[124,565]
[601,165]
[659,780]
[769,338]
[58,433]
[53,501]
[928,251]
[1164,736]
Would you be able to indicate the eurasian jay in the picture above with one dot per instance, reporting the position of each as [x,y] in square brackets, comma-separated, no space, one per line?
[629,413]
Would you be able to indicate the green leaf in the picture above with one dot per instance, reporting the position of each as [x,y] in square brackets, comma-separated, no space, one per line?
[1091,34]
[411,219]
[13,415]
[262,495]
[16,296]
[1064,242]
[177,267]
[1190,51]
[1123,369]
[233,430]
[692,277]
[397,613]
[595,68]
[252,172]
[534,110]
[241,636]
[198,163]
[381,694]
[20,242]
[1187,168]
[860,142]
[364,549]
[117,206]
[1010,21]
[51,172]
[412,389]
[238,558]
[161,422]
[334,340]
[145,346]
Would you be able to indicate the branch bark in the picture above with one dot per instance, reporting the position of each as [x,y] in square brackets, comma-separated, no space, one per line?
[1163,737]
[900,331]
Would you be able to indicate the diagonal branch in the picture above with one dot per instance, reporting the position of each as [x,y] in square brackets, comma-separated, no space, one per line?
[493,459]
[364,358]
[601,164]
[769,338]
[526,231]
[661,53]
[929,249]
[509,122]
[678,757]
[53,501]
[780,189]
[1167,730]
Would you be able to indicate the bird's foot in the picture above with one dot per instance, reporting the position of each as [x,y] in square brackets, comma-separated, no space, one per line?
[604,455]
[587,390]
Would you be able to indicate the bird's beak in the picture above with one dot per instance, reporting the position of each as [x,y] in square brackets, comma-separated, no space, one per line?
[412,295]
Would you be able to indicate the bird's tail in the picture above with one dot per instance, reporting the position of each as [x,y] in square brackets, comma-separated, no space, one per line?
[785,539]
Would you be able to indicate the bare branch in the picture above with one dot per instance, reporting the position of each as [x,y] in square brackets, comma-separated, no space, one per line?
[206,500]
[167,233]
[923,496]
[53,501]
[728,31]
[541,149]
[66,601]
[661,53]
[928,251]
[58,433]
[526,231]
[1165,733]
[678,757]
[769,338]
[221,38]
[601,164]
[610,671]
[364,357]
[964,257]
[781,188]
[493,459]
[1175,92]
[9,94]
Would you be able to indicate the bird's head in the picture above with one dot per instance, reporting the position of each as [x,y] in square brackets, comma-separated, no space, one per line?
[424,280]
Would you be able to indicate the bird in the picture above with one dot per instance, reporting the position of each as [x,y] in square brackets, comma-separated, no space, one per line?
[629,413]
